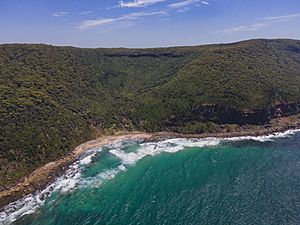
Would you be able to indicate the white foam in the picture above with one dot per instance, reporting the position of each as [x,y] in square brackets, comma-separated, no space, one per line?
[73,179]
[99,179]
[17,209]
[264,138]
[122,168]
[155,148]
[87,159]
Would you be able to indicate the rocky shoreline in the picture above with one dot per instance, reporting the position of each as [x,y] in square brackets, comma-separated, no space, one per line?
[46,174]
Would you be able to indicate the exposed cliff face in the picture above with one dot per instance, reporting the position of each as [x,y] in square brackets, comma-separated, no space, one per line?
[284,109]
[230,115]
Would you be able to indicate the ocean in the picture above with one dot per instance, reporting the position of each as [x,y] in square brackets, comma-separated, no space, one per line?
[243,180]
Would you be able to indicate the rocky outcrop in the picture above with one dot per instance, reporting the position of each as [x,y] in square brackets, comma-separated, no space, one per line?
[284,109]
[230,115]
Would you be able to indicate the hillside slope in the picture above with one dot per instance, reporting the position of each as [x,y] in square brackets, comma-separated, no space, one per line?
[54,98]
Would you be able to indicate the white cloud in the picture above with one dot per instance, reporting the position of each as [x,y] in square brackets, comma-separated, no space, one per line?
[260,23]
[281,18]
[86,13]
[186,3]
[251,27]
[184,9]
[138,3]
[94,23]
[59,14]
[128,17]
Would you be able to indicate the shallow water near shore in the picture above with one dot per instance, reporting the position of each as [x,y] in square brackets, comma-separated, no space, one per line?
[245,180]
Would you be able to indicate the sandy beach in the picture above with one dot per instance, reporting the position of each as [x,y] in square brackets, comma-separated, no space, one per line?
[44,175]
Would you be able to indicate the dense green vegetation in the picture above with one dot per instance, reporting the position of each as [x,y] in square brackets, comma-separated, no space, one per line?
[54,98]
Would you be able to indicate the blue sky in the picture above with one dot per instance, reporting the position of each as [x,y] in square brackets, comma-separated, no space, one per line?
[146,23]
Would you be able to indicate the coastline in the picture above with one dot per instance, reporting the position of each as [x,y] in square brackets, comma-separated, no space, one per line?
[46,174]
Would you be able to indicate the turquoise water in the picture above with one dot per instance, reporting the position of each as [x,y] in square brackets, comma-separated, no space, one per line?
[222,182]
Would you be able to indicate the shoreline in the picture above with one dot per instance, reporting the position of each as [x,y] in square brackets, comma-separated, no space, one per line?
[47,173]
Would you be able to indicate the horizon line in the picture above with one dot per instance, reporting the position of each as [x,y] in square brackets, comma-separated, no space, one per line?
[154,47]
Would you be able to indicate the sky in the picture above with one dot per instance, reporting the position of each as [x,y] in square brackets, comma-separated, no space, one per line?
[146,23]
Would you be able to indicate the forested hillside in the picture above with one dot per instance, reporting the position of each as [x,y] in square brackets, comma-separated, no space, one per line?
[54,98]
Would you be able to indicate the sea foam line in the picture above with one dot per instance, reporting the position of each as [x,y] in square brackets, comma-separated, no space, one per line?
[73,177]
[264,138]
